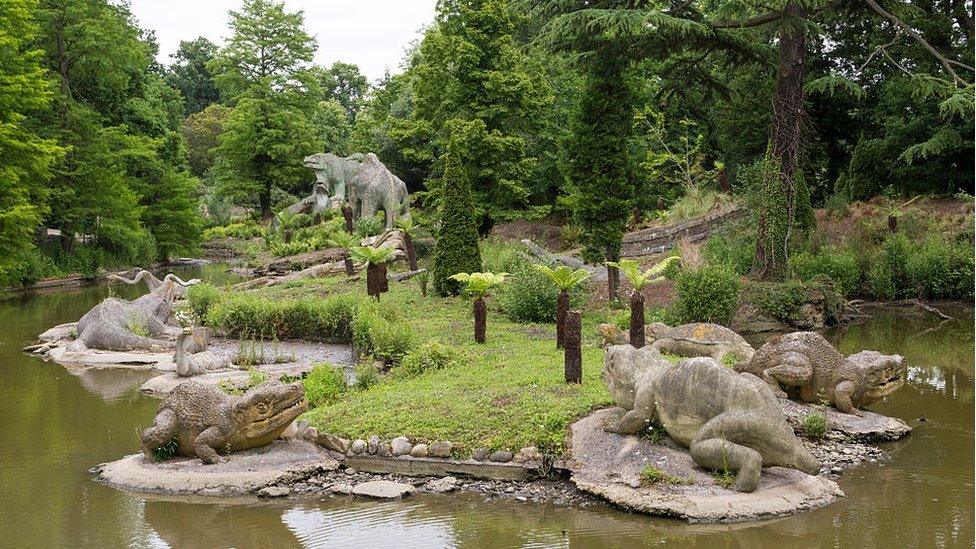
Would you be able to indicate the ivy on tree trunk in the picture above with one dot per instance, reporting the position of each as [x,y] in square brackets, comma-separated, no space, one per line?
[637,319]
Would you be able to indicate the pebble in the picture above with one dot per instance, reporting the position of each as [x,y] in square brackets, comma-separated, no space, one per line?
[480,454]
[373,444]
[400,446]
[501,456]
[358,446]
[419,451]
[440,449]
[384,449]
[442,485]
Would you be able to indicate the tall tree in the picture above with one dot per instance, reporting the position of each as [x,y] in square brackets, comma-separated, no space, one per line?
[201,131]
[470,70]
[190,75]
[342,82]
[26,156]
[457,238]
[263,71]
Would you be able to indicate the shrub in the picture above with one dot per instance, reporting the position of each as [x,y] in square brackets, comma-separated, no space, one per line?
[429,356]
[939,270]
[709,294]
[457,240]
[499,256]
[734,252]
[781,299]
[324,385]
[839,266]
[529,296]
[815,425]
[367,375]
[245,315]
[368,226]
[202,297]
[888,277]
[376,333]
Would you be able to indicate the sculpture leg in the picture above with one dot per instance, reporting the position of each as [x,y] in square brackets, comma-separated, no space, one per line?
[160,433]
[842,398]
[206,443]
[718,453]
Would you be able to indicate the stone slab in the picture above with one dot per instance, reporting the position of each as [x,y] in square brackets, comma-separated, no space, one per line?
[609,465]
[382,489]
[243,473]
[162,385]
[869,427]
[411,466]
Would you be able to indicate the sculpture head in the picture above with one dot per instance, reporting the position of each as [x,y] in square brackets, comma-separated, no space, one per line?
[263,412]
[625,367]
[656,330]
[878,375]
[319,161]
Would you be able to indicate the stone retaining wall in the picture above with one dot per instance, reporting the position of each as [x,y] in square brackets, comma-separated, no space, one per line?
[658,239]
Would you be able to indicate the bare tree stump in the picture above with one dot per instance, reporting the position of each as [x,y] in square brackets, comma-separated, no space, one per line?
[637,319]
[480,320]
[411,253]
[347,215]
[347,262]
[562,307]
[573,351]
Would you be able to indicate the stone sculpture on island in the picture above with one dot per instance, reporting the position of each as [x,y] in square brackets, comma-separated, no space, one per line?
[727,420]
[204,420]
[363,181]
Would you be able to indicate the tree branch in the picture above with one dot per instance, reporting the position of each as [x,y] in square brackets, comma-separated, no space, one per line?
[918,38]
[756,21]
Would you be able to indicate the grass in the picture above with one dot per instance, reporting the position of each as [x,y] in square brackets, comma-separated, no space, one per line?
[652,475]
[724,478]
[815,425]
[505,394]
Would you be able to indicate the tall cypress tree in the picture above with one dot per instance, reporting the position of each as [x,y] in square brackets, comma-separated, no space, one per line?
[457,239]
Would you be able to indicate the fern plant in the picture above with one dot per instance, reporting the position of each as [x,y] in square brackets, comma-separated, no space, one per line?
[639,280]
[477,285]
[565,279]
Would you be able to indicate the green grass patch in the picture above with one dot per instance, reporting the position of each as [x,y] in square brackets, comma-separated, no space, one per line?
[724,478]
[652,475]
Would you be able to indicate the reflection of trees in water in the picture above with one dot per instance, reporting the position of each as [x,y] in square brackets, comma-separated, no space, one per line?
[182,524]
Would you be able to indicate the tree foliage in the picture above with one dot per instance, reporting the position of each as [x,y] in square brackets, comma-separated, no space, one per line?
[457,238]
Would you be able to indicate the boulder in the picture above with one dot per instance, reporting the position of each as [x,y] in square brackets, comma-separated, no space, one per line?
[442,485]
[419,451]
[400,446]
[440,449]
[382,489]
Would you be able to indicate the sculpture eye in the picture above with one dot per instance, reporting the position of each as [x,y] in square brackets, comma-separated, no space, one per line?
[262,407]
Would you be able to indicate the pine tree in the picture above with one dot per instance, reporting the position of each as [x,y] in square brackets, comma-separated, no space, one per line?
[457,239]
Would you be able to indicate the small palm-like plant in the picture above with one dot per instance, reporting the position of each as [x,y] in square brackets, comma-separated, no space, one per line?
[565,279]
[639,279]
[289,221]
[346,241]
[477,285]
[376,260]
[409,230]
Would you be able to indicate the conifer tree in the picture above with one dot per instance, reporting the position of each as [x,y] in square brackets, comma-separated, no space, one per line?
[457,239]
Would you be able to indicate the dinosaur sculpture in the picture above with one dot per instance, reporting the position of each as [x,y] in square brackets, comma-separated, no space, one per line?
[203,420]
[375,188]
[170,288]
[727,420]
[313,204]
[333,171]
[120,325]
[192,357]
[810,366]
[699,339]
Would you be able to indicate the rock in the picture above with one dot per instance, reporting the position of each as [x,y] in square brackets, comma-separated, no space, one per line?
[311,434]
[480,454]
[501,456]
[332,442]
[382,489]
[373,445]
[442,485]
[400,446]
[419,451]
[529,453]
[440,449]
[342,488]
[274,492]
[384,449]
[358,446]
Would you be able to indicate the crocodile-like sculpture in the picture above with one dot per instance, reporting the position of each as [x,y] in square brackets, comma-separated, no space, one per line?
[810,366]
[204,420]
[699,339]
[375,188]
[727,420]
[170,288]
[120,325]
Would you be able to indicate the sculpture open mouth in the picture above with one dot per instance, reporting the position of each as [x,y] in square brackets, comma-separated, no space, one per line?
[888,385]
[289,410]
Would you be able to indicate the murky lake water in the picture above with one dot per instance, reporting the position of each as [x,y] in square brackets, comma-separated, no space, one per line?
[55,425]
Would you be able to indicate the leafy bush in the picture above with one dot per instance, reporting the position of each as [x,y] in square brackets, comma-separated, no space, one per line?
[241,229]
[839,266]
[939,270]
[245,315]
[324,385]
[530,296]
[368,226]
[367,375]
[429,356]
[709,294]
[815,425]
[500,256]
[781,299]
[733,252]
[888,277]
[203,296]
[376,333]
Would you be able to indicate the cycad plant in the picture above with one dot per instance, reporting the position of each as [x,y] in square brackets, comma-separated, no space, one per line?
[477,285]
[409,230]
[376,260]
[346,241]
[288,222]
[639,279]
[565,279]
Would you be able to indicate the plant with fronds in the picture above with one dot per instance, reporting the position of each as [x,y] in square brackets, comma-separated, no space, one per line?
[409,230]
[376,260]
[565,279]
[639,279]
[477,285]
[346,241]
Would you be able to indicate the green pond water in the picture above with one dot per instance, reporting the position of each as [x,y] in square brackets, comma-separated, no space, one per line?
[55,424]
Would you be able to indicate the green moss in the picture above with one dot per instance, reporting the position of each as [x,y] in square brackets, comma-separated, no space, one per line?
[724,478]
[652,475]
[815,425]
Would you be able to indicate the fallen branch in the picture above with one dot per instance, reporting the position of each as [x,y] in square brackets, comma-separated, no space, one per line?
[911,303]
[400,277]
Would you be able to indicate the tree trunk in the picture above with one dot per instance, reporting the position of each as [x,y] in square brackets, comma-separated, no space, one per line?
[411,254]
[383,281]
[376,282]
[347,215]
[637,319]
[573,356]
[892,224]
[480,320]
[347,261]
[779,179]
[562,307]
[613,284]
